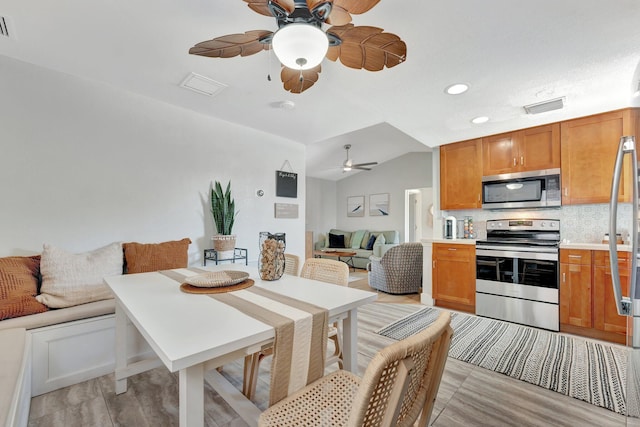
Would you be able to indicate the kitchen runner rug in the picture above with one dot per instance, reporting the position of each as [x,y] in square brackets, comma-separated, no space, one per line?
[585,370]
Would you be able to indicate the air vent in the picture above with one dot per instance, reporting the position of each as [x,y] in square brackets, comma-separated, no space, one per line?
[543,107]
[202,84]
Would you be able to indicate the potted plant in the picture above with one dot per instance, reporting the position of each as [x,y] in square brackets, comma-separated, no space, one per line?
[224,213]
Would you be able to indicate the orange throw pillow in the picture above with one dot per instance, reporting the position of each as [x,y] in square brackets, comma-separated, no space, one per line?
[144,257]
[19,286]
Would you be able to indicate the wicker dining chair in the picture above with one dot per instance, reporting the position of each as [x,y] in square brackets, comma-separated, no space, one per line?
[398,387]
[291,263]
[324,270]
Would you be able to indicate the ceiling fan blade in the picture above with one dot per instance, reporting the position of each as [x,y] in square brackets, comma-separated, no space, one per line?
[367,47]
[360,168]
[295,82]
[355,6]
[359,165]
[338,16]
[262,6]
[232,45]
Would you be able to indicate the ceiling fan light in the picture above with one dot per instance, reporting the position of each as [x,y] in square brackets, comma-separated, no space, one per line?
[300,46]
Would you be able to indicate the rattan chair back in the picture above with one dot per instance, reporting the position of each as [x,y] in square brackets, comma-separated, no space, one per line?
[402,380]
[291,263]
[326,270]
[398,388]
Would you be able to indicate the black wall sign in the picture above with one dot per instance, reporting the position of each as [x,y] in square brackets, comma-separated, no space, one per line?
[286,184]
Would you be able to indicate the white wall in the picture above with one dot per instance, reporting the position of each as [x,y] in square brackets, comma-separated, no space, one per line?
[83,164]
[412,170]
[320,206]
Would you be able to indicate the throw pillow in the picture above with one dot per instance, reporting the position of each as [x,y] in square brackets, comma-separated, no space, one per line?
[336,240]
[70,279]
[144,257]
[356,240]
[372,240]
[380,240]
[19,286]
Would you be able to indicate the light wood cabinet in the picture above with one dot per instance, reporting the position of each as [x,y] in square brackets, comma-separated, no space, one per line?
[589,147]
[587,305]
[454,276]
[605,313]
[524,150]
[461,175]
[575,288]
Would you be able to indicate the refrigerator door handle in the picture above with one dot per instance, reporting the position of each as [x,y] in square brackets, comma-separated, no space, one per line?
[627,146]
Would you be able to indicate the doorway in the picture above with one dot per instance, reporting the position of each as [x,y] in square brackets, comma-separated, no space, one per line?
[418,210]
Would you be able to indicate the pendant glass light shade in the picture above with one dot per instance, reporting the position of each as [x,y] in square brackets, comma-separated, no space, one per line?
[300,46]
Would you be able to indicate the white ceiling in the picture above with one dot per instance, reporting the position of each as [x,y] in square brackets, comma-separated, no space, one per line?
[511,53]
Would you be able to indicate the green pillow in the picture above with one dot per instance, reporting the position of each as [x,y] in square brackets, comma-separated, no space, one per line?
[356,240]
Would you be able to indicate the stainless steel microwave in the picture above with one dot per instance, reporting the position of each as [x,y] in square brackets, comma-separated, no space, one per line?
[534,189]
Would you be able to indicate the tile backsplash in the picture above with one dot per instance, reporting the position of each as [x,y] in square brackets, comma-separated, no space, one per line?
[578,223]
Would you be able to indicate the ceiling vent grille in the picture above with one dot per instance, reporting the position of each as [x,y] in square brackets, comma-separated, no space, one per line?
[4,27]
[543,107]
[202,84]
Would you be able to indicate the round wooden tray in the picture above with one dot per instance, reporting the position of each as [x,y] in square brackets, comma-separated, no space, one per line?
[190,289]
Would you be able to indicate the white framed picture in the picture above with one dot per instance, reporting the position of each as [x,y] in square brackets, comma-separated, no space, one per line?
[379,204]
[355,206]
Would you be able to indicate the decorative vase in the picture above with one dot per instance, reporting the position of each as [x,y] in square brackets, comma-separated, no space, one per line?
[224,245]
[271,261]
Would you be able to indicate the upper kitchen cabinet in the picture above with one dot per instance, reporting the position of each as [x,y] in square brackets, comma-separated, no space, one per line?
[589,148]
[525,150]
[461,175]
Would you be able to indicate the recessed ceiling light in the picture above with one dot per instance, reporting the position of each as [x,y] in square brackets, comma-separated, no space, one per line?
[480,119]
[457,89]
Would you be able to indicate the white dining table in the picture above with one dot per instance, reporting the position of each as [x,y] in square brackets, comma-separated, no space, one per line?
[193,334]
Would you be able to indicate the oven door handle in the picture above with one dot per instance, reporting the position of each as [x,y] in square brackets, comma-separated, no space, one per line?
[518,255]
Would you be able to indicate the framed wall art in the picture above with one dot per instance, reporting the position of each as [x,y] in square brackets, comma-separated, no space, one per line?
[355,206]
[379,204]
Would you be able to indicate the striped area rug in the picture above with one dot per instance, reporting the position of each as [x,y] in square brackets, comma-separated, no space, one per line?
[583,369]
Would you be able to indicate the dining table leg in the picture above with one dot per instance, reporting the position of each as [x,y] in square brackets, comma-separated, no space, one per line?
[191,401]
[350,341]
[121,348]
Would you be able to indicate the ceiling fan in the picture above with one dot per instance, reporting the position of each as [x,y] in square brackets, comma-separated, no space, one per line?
[300,43]
[348,164]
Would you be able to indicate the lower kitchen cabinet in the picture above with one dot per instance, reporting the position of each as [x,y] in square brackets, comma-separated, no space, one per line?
[575,288]
[454,276]
[587,305]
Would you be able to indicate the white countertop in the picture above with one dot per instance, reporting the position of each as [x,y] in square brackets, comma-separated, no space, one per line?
[593,246]
[456,241]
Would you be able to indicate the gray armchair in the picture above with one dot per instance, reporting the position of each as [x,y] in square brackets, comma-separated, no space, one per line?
[398,271]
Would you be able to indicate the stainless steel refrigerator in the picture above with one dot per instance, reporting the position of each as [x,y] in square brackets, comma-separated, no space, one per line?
[627,305]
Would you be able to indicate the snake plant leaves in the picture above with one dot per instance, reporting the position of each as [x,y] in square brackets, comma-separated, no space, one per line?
[223,208]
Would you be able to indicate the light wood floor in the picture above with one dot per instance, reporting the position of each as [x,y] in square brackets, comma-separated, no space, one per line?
[468,395]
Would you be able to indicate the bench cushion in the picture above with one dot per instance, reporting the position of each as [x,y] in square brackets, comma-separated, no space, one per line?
[12,342]
[19,286]
[56,316]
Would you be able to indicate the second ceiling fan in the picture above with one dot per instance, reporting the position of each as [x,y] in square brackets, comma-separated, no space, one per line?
[348,164]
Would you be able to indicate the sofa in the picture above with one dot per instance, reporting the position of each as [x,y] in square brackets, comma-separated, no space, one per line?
[364,243]
[57,321]
[398,271]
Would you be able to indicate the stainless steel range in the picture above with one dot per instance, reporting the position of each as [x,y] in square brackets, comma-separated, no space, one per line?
[517,272]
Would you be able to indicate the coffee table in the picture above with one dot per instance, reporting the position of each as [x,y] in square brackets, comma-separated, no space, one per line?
[337,254]
[188,332]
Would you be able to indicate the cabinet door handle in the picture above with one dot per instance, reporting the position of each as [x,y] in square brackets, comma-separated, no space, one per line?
[564,277]
[515,162]
[522,160]
[452,249]
[575,256]
[566,191]
[434,264]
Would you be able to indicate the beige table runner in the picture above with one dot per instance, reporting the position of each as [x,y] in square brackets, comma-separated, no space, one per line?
[300,342]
